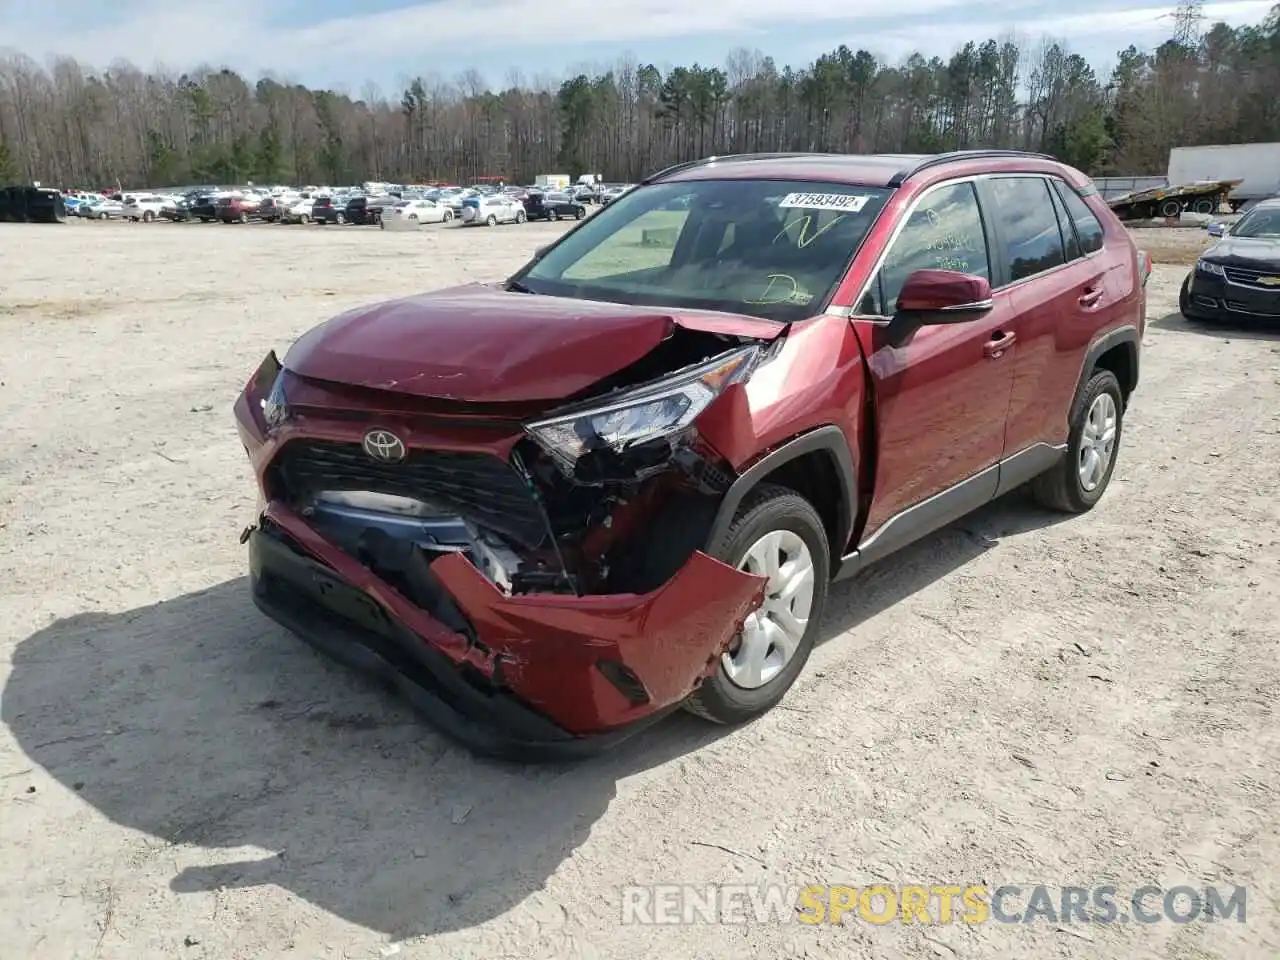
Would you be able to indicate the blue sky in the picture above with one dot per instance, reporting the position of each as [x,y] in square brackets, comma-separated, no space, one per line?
[345,44]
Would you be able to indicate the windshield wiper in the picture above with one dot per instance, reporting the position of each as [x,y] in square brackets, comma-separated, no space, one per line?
[515,286]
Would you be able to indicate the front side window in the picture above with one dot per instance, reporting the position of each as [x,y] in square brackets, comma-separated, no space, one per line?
[1029,226]
[943,232]
[769,248]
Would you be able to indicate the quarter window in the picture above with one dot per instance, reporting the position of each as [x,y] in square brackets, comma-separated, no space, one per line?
[1029,227]
[943,232]
[1088,229]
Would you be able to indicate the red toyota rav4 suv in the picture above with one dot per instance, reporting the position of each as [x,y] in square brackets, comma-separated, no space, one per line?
[550,510]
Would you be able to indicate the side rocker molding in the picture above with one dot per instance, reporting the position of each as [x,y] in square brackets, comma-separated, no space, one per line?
[828,440]
[923,518]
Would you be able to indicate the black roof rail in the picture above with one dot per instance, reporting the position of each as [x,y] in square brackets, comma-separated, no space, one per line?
[690,164]
[902,176]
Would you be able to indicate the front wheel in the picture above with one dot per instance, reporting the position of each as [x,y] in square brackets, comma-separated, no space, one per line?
[1077,483]
[304,219]
[148,216]
[448,215]
[519,216]
[340,219]
[579,213]
[244,218]
[553,215]
[777,535]
[491,221]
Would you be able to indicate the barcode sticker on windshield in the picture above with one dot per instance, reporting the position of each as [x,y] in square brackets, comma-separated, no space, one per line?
[847,203]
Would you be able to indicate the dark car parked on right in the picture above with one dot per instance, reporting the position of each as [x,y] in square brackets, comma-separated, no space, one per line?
[1239,276]
[552,206]
[324,210]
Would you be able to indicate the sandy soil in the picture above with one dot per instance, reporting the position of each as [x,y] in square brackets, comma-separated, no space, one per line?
[1017,699]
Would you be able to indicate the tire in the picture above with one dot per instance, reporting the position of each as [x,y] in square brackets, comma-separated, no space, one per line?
[1204,205]
[244,218]
[579,213]
[448,215]
[520,216]
[1062,488]
[412,216]
[102,216]
[767,509]
[1170,209]
[205,219]
[340,219]
[147,216]
[304,219]
[553,215]
[491,221]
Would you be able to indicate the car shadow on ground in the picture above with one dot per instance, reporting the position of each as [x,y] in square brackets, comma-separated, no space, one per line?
[1241,329]
[199,722]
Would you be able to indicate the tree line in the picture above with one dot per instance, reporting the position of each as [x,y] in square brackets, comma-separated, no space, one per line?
[75,126]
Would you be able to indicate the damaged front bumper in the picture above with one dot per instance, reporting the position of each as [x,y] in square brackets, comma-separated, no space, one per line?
[530,676]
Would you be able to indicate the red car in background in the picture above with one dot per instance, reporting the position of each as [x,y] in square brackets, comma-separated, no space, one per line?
[553,509]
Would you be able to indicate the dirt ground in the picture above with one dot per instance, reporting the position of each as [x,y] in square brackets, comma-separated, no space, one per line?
[1017,699]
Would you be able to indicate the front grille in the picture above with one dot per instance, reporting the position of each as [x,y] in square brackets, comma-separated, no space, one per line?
[1252,278]
[475,486]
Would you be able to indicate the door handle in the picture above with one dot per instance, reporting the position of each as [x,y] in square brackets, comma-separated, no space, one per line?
[1090,297]
[1000,341]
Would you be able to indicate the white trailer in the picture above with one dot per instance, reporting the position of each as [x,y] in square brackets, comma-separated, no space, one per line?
[1256,165]
[552,181]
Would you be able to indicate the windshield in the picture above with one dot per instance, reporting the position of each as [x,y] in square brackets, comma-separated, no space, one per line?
[767,248]
[1259,224]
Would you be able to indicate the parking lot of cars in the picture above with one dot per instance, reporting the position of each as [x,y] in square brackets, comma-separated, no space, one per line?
[1016,698]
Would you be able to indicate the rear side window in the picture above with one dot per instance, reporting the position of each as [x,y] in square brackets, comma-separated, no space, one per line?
[1029,226]
[1088,229]
[1071,243]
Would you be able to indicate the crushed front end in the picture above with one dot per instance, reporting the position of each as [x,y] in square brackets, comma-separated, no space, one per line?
[528,574]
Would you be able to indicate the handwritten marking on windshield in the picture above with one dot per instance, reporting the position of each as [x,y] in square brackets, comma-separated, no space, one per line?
[793,293]
[804,223]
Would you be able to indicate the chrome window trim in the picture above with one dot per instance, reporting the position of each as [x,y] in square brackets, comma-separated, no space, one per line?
[849,311]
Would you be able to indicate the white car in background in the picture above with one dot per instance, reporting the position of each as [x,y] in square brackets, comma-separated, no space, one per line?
[411,213]
[143,206]
[299,212]
[492,210]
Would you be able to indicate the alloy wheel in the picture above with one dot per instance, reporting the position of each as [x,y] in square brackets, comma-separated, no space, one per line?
[1097,442]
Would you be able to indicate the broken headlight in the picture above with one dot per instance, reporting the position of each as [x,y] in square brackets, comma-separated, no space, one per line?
[275,405]
[652,412]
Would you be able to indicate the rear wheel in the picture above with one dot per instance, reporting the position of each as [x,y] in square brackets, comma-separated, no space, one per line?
[579,213]
[1079,481]
[448,215]
[340,219]
[244,218]
[519,216]
[148,216]
[553,214]
[1205,205]
[777,535]
[304,219]
[491,221]
[1171,209]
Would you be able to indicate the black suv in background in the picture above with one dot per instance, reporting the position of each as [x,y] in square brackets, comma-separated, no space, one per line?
[203,207]
[324,211]
[552,206]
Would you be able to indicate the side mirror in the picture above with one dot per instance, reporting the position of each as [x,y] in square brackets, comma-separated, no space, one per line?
[1217,229]
[932,297]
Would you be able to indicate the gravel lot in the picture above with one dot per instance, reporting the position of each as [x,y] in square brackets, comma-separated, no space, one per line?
[1017,699]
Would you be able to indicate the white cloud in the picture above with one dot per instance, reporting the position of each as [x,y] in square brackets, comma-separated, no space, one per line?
[183,33]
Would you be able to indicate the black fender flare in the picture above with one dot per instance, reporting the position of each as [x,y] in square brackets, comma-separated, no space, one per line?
[1128,334]
[829,441]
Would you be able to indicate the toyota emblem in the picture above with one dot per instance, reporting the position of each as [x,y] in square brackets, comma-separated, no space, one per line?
[383,446]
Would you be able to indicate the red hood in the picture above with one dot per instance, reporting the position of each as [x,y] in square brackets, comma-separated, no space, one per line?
[480,343]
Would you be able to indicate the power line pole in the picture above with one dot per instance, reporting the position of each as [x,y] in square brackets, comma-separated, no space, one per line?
[1187,20]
